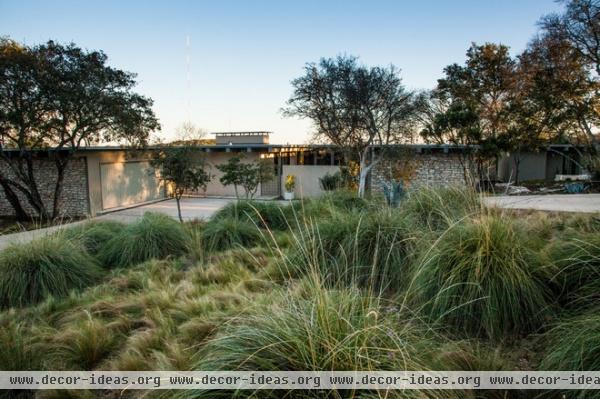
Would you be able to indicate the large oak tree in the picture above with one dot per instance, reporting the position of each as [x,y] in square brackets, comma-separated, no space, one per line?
[354,107]
[60,98]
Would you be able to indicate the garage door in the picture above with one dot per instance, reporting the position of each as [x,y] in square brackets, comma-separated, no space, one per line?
[128,183]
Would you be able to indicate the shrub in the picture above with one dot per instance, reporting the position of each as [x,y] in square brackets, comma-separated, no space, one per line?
[260,213]
[345,200]
[439,207]
[577,258]
[95,234]
[155,235]
[49,266]
[225,233]
[481,277]
[331,182]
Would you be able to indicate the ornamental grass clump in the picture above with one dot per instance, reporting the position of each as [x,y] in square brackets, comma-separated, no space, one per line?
[264,214]
[438,207]
[48,266]
[573,343]
[95,234]
[230,232]
[320,329]
[155,236]
[368,249]
[576,256]
[481,277]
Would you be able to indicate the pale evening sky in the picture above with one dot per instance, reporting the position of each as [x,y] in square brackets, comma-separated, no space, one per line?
[243,54]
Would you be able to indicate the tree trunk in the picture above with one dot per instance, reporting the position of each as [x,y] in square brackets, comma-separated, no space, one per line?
[364,172]
[177,200]
[13,199]
[58,188]
[25,182]
[38,203]
[362,179]
[517,158]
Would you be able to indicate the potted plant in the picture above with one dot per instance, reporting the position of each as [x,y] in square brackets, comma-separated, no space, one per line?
[290,184]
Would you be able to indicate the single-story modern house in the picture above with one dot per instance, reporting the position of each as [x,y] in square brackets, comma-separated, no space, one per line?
[105,178]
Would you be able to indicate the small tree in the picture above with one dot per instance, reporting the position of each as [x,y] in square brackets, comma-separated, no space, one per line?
[247,175]
[232,173]
[182,169]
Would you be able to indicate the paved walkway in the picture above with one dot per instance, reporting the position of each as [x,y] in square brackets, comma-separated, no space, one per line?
[203,208]
[191,208]
[588,203]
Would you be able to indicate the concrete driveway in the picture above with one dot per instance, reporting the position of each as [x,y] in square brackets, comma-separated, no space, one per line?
[191,208]
[588,203]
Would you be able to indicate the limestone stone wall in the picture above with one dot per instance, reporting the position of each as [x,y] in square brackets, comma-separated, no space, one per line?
[74,199]
[422,169]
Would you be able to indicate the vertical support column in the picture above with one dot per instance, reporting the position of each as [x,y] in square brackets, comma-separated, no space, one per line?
[279,173]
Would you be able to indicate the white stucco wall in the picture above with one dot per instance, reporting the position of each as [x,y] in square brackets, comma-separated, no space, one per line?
[307,178]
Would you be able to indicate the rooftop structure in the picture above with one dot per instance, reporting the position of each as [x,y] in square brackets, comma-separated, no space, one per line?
[232,138]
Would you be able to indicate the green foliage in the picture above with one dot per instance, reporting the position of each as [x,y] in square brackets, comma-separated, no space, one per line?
[573,343]
[93,235]
[355,106]
[49,266]
[271,215]
[437,208]
[85,345]
[370,249]
[17,353]
[97,105]
[331,182]
[182,168]
[576,255]
[17,350]
[393,192]
[248,175]
[344,200]
[290,183]
[155,235]
[482,277]
[319,330]
[230,232]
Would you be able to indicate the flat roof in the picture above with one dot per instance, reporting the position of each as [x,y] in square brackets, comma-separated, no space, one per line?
[238,134]
[270,147]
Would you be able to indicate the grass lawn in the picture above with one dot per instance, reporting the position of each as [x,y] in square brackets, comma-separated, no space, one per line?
[338,283]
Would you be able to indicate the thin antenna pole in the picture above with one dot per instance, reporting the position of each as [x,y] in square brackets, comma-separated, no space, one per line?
[188,77]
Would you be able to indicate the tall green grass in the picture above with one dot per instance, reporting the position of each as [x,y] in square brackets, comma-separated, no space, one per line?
[95,234]
[439,207]
[482,278]
[576,255]
[264,214]
[317,329]
[370,248]
[48,266]
[573,343]
[226,233]
[155,235]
